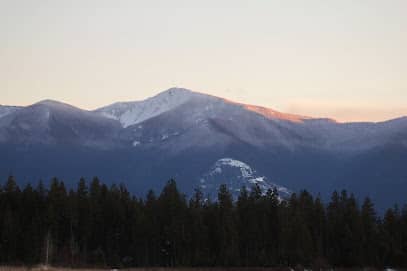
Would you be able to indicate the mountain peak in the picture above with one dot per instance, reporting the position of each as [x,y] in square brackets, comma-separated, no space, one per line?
[173,95]
[53,103]
[49,102]
[130,113]
[176,91]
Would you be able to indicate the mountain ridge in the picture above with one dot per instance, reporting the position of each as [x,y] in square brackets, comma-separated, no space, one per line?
[182,134]
[262,110]
[253,107]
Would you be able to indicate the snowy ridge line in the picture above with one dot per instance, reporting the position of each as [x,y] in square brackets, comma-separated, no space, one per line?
[131,113]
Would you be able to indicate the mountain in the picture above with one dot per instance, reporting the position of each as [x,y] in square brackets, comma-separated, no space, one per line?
[184,134]
[181,112]
[130,113]
[6,110]
[236,174]
[55,123]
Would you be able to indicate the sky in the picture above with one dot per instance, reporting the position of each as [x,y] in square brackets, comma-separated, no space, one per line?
[343,59]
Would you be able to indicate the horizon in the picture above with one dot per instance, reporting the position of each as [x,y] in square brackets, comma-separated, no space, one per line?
[342,60]
[225,98]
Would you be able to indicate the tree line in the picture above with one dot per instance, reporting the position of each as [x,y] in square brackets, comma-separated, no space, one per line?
[97,225]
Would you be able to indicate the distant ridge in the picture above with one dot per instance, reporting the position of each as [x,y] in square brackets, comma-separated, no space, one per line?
[133,112]
[183,134]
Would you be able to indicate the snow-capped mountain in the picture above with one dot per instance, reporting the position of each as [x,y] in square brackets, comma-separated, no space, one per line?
[236,174]
[130,113]
[191,117]
[183,134]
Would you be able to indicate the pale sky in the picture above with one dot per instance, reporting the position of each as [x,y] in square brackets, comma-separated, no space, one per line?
[345,59]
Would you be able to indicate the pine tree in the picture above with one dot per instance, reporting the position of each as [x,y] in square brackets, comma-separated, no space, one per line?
[197,238]
[370,234]
[103,226]
[244,221]
[319,234]
[228,248]
[11,225]
[172,206]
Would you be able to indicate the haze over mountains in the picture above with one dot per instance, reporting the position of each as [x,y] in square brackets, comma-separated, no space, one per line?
[186,135]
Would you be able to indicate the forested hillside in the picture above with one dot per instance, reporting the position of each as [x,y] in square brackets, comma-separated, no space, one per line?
[96,225]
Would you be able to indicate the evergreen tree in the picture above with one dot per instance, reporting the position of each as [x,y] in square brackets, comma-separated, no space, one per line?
[172,215]
[228,249]
[108,227]
[370,234]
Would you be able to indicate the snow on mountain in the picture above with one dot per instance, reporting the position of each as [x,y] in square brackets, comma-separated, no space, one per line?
[6,110]
[179,119]
[183,134]
[130,113]
[52,122]
[273,114]
[195,119]
[236,174]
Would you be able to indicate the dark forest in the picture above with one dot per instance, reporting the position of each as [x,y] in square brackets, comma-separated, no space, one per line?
[101,226]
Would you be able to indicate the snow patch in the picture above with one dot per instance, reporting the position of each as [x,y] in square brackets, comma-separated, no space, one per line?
[130,113]
[136,143]
[245,170]
[237,174]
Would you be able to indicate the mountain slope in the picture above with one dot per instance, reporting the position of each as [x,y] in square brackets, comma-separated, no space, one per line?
[183,134]
[203,120]
[6,110]
[51,122]
[130,113]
